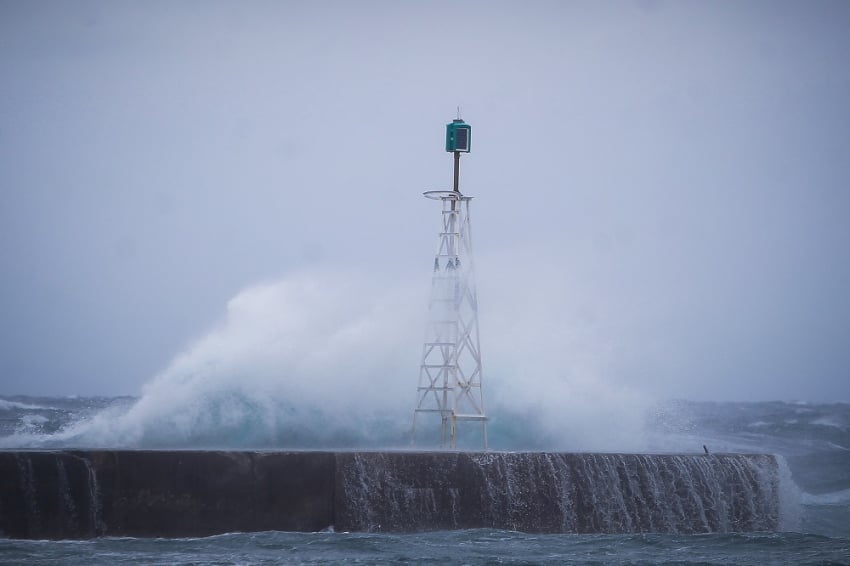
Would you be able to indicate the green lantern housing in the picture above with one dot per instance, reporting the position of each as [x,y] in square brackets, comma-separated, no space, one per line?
[458,136]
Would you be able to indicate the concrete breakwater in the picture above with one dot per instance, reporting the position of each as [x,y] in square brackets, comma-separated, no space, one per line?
[83,494]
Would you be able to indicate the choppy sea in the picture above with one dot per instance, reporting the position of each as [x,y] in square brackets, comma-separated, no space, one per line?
[813,440]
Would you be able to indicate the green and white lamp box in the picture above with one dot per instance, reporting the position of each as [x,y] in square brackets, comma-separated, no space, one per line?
[458,136]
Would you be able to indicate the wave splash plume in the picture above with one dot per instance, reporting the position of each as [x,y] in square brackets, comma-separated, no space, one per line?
[328,360]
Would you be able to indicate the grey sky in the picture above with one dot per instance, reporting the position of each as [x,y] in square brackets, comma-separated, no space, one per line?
[662,189]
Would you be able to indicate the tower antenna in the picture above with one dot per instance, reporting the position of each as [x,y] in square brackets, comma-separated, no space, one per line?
[450,374]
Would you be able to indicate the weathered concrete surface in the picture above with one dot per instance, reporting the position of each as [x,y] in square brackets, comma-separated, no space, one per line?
[81,494]
[557,492]
[74,494]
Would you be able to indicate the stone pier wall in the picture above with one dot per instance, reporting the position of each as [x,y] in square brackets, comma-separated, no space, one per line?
[83,494]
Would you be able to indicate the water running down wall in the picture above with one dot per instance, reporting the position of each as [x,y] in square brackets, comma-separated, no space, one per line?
[83,494]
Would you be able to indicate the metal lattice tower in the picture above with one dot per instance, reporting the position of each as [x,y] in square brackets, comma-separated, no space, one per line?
[450,373]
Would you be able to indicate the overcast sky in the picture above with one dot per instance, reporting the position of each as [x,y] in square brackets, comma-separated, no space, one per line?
[662,188]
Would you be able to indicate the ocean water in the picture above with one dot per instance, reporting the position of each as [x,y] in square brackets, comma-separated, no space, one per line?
[812,439]
[444,547]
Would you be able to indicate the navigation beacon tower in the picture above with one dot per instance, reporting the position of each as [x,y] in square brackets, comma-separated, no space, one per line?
[450,373]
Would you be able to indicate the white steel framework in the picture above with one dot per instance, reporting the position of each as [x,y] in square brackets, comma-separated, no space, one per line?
[450,373]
